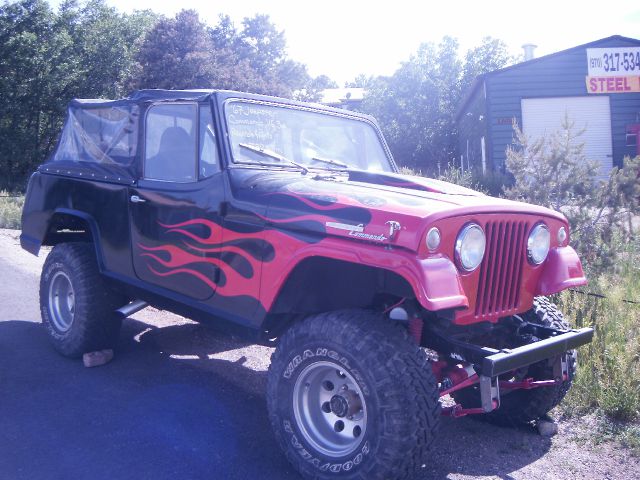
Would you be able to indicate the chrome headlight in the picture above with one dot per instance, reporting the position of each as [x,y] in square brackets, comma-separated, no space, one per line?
[470,246]
[538,244]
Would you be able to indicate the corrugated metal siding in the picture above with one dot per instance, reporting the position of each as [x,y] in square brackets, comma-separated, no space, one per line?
[544,116]
[561,75]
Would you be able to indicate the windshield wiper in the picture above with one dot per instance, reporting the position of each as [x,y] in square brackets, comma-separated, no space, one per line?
[271,154]
[330,161]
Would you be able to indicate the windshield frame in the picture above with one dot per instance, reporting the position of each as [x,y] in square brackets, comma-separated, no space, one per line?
[330,112]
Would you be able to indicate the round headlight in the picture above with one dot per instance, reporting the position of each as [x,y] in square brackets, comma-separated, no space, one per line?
[433,239]
[470,246]
[562,235]
[538,244]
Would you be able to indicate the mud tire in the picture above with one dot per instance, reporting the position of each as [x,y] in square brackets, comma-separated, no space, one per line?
[396,381]
[93,324]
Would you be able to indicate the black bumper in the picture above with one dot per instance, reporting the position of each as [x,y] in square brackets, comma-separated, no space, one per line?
[511,359]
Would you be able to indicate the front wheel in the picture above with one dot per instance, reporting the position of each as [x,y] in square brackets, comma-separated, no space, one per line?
[350,395]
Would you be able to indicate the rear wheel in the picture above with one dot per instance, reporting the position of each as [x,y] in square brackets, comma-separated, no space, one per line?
[520,407]
[350,395]
[77,306]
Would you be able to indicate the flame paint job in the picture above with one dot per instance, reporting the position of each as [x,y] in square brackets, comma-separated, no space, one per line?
[294,226]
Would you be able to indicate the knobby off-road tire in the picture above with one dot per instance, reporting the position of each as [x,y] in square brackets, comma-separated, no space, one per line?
[77,306]
[380,426]
[520,407]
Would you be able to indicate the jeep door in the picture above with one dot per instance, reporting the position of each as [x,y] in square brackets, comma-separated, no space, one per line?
[175,206]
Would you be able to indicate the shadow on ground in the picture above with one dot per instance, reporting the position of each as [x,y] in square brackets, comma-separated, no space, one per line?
[164,408]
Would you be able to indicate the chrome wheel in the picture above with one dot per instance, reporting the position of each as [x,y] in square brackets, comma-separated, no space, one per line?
[329,409]
[62,301]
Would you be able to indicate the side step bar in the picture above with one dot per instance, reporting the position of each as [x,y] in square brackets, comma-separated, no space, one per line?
[131,308]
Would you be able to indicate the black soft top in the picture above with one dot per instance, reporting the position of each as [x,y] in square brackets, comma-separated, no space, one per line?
[101,138]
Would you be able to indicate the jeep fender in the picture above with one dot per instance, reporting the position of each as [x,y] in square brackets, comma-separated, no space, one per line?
[35,237]
[434,281]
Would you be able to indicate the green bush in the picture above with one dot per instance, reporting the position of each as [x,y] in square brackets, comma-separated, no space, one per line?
[609,375]
[10,210]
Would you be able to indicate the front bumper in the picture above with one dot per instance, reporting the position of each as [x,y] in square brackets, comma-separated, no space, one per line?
[490,363]
[508,360]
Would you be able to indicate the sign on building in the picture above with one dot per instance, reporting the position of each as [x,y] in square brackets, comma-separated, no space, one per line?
[613,70]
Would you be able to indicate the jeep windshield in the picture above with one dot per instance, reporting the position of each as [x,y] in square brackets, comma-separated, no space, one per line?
[309,138]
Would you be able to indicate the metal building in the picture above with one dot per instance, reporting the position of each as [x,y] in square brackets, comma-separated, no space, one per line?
[596,84]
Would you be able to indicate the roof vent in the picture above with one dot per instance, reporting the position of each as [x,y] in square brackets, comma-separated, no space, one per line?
[529,49]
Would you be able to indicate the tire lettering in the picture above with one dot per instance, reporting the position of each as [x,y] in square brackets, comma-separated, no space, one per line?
[324,467]
[306,455]
[323,352]
[293,364]
[287,426]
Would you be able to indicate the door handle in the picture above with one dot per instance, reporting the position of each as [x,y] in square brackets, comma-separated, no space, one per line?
[137,199]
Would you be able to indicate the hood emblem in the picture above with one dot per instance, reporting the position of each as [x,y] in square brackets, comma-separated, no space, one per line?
[346,226]
[394,227]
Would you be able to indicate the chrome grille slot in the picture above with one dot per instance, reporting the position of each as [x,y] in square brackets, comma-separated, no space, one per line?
[501,268]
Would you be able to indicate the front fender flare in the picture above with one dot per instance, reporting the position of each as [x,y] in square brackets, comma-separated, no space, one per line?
[562,270]
[435,280]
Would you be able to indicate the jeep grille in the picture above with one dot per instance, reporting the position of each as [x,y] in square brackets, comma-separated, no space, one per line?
[501,268]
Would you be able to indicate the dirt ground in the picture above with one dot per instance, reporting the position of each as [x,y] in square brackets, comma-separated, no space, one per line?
[466,449]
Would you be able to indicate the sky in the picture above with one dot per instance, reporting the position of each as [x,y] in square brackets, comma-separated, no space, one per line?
[345,38]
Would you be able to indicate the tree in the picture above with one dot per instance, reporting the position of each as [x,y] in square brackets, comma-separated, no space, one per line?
[176,54]
[34,74]
[257,52]
[312,92]
[262,44]
[48,58]
[361,81]
[416,106]
[492,54]
[183,52]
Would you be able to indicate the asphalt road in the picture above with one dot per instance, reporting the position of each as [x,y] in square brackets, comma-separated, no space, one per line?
[180,401]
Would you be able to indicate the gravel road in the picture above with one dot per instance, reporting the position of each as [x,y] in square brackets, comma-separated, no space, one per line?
[183,401]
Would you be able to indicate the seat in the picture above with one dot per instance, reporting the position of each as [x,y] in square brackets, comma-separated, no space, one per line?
[175,160]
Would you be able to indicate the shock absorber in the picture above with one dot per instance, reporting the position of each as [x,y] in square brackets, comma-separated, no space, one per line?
[415,328]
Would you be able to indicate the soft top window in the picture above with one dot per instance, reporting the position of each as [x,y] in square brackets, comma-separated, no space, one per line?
[100,135]
[99,140]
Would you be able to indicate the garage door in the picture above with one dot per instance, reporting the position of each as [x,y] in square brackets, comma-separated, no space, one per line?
[542,116]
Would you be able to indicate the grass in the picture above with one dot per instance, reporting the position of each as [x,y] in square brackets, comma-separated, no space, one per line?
[628,434]
[10,210]
[608,380]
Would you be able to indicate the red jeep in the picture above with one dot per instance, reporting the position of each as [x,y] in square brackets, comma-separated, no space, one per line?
[381,292]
